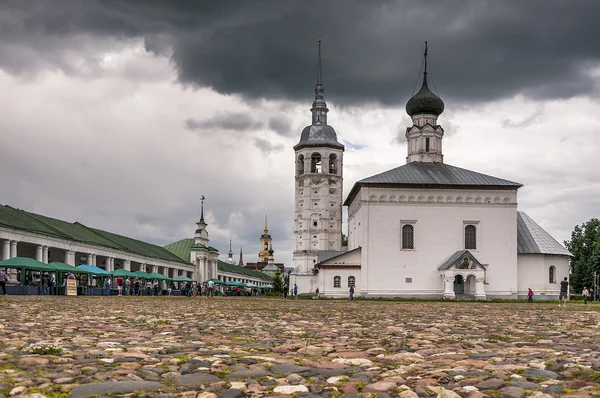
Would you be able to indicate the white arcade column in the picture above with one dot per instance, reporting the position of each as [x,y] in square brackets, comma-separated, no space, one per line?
[13,249]
[89,259]
[6,250]
[127,265]
[38,253]
[45,254]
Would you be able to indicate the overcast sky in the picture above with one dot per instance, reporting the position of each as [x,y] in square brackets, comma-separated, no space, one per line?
[121,114]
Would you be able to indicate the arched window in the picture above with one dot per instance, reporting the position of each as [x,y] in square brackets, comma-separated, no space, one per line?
[300,165]
[408,237]
[332,164]
[351,281]
[315,164]
[470,237]
[337,281]
[552,274]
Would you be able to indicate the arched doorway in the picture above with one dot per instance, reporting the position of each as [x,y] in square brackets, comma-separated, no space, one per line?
[459,284]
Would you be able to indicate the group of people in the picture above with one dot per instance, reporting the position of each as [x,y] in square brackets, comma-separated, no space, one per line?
[564,293]
[138,287]
[293,293]
[131,286]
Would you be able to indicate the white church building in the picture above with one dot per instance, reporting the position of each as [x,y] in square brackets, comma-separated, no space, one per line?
[423,229]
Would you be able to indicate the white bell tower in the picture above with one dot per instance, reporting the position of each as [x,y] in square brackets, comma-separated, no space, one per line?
[318,186]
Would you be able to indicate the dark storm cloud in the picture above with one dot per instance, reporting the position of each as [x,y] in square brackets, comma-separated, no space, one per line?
[241,122]
[479,49]
[267,147]
[227,121]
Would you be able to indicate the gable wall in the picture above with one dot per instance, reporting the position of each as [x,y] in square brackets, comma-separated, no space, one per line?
[533,272]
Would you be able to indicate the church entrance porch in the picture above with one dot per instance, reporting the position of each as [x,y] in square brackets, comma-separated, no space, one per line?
[463,275]
[459,285]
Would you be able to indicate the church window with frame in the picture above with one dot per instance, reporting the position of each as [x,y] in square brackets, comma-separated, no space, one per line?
[337,281]
[351,281]
[552,274]
[316,164]
[408,237]
[427,144]
[471,237]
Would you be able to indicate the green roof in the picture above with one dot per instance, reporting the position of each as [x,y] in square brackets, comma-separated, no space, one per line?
[182,248]
[236,269]
[31,222]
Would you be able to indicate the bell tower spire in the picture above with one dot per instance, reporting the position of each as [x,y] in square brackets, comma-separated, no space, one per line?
[319,107]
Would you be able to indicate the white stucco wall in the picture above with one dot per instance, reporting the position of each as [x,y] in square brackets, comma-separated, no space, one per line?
[327,276]
[439,217]
[534,273]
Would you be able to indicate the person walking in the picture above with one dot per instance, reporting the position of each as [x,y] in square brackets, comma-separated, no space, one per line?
[52,283]
[3,282]
[530,296]
[351,297]
[295,291]
[585,293]
[211,288]
[128,286]
[119,281]
[285,290]
[107,283]
[564,291]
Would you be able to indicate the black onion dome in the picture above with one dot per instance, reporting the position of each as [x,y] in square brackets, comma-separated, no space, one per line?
[425,101]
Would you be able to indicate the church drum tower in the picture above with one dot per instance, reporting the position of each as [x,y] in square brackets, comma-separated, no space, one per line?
[318,189]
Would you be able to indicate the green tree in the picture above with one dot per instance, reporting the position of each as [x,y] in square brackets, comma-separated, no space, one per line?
[344,240]
[585,247]
[277,283]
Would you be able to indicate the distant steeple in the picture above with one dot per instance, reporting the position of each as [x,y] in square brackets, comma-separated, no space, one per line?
[241,263]
[230,254]
[319,107]
[202,208]
[266,230]
[201,236]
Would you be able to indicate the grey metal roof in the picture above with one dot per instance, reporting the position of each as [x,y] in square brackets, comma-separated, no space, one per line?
[456,257]
[319,135]
[327,254]
[436,174]
[270,267]
[533,239]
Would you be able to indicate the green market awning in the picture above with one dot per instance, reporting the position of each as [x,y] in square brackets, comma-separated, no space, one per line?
[182,278]
[62,267]
[26,263]
[160,277]
[123,273]
[215,281]
[141,274]
[234,283]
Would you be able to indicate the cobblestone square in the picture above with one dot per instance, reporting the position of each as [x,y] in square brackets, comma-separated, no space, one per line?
[233,347]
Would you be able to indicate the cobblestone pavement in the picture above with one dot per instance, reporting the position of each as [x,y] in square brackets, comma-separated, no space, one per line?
[234,347]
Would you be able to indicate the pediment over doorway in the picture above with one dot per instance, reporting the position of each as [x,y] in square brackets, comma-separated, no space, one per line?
[462,259]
